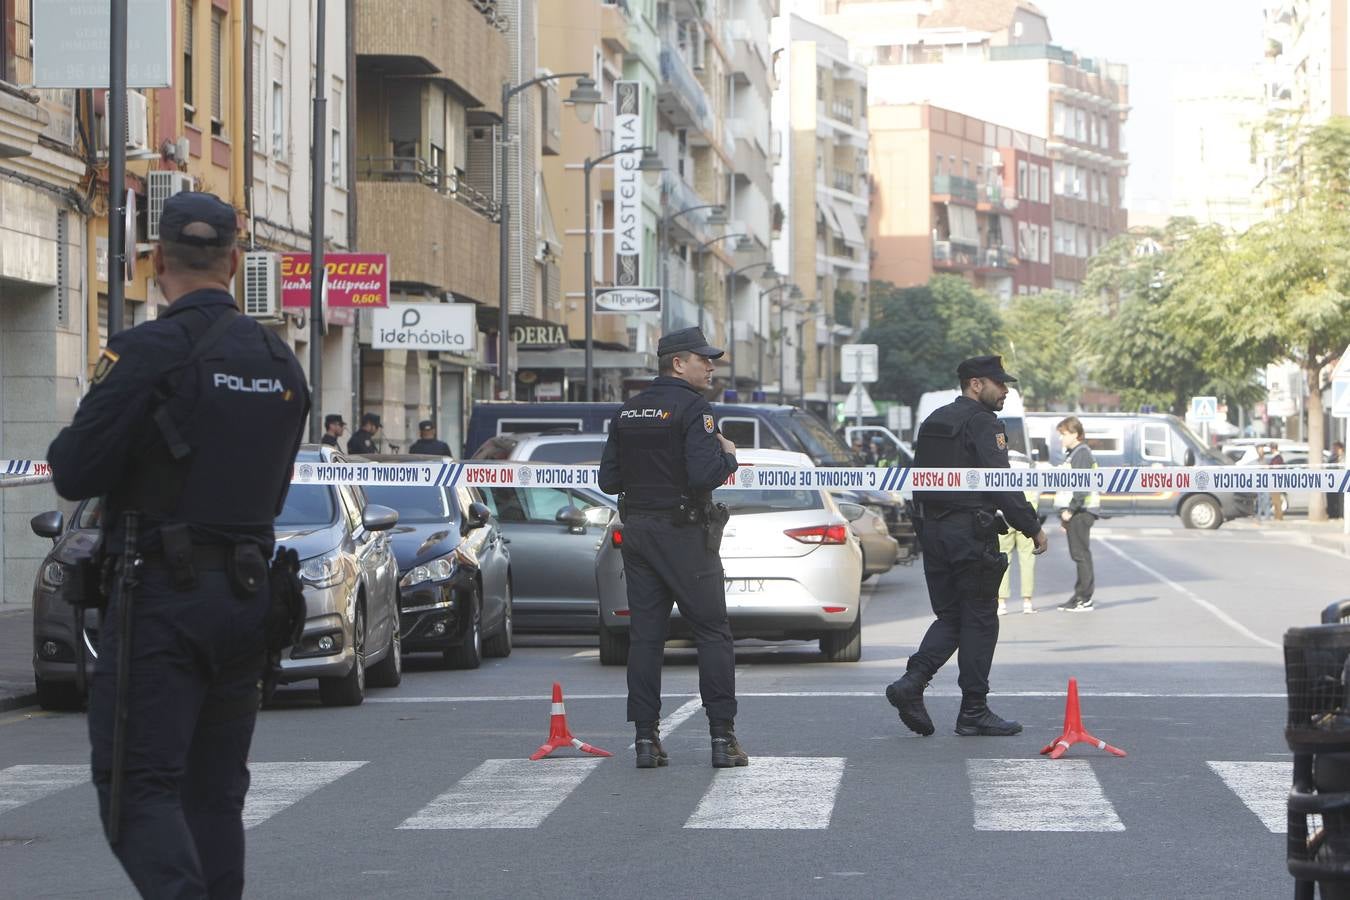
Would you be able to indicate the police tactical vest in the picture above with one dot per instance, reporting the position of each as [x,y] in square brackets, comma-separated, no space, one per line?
[943,444]
[227,418]
[651,429]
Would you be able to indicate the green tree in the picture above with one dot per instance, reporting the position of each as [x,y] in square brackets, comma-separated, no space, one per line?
[1284,291]
[1035,327]
[924,332]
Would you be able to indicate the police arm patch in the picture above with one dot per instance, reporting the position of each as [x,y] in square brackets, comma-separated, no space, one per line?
[1000,440]
[106,360]
[708,424]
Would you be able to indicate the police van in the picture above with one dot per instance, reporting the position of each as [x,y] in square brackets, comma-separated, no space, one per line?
[899,453]
[1142,440]
[761,425]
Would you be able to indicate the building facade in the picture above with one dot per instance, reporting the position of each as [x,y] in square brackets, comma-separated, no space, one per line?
[958,195]
[1217,131]
[822,190]
[994,60]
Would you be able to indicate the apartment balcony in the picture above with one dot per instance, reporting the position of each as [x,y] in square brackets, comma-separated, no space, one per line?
[679,195]
[614,25]
[990,198]
[748,67]
[996,258]
[952,256]
[680,95]
[452,40]
[454,247]
[952,189]
[844,181]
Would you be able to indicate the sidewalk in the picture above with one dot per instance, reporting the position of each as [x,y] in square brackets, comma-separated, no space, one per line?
[16,658]
[1329,534]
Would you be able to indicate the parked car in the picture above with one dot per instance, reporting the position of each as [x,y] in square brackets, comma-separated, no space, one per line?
[1145,440]
[560,447]
[792,570]
[454,570]
[554,534]
[879,550]
[761,425]
[349,577]
[65,638]
[1295,456]
[351,588]
[894,509]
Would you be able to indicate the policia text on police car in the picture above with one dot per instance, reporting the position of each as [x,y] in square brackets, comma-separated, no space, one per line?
[664,457]
[188,433]
[961,560]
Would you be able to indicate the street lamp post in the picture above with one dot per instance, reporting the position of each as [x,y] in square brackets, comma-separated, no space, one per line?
[717,216]
[743,243]
[650,167]
[731,312]
[584,99]
[759,314]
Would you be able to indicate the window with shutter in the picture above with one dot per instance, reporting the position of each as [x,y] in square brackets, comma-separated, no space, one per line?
[189,95]
[258,102]
[217,72]
[278,100]
[335,155]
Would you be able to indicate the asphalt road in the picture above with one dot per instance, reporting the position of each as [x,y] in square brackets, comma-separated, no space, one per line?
[424,791]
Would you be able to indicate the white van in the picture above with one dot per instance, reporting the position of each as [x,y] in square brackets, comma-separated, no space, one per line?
[901,453]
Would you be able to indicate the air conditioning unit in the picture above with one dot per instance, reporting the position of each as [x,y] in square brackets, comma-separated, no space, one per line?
[262,285]
[161,186]
[138,121]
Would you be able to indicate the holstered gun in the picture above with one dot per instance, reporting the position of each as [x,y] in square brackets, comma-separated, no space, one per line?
[129,578]
[715,518]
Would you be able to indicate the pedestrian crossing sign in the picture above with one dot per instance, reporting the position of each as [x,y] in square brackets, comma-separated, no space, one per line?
[1205,409]
[1340,398]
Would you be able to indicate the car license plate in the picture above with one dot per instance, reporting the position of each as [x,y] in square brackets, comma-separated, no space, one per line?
[746,585]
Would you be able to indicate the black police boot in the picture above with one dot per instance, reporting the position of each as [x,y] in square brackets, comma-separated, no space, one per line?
[906,695]
[726,750]
[976,718]
[650,753]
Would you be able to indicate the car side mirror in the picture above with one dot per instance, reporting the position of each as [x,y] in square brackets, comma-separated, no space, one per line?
[48,524]
[571,517]
[851,511]
[1190,457]
[598,515]
[479,515]
[379,518]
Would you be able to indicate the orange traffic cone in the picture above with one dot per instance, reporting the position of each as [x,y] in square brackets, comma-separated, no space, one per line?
[1074,732]
[558,733]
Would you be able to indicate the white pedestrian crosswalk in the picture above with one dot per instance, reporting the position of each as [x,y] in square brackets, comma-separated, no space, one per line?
[774,792]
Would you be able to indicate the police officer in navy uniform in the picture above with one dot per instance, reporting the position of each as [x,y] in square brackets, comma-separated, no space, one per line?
[427,442]
[665,456]
[333,426]
[363,441]
[961,560]
[192,421]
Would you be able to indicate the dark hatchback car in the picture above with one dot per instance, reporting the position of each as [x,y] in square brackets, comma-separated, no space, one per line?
[455,578]
[65,638]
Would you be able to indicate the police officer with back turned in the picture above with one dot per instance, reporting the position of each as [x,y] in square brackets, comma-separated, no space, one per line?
[665,457]
[961,560]
[188,433]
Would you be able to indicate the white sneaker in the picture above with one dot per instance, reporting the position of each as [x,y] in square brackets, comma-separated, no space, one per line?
[1002,608]
[1027,608]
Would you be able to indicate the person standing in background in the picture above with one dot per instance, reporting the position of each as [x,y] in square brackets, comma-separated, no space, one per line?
[1010,542]
[1078,510]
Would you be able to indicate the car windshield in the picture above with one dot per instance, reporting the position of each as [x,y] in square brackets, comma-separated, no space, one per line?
[824,448]
[1193,441]
[307,505]
[427,503]
[748,502]
[565,452]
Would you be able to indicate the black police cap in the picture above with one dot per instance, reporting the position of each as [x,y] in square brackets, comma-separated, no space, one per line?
[333,419]
[203,220]
[687,339]
[372,419]
[990,367]
[426,425]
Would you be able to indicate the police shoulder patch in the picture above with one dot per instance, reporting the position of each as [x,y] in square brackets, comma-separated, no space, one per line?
[708,424]
[106,360]
[1001,440]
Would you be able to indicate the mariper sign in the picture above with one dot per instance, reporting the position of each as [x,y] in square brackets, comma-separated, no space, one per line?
[450,327]
[628,300]
[357,280]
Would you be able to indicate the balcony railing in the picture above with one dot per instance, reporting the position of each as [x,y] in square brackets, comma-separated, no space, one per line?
[684,85]
[843,181]
[415,169]
[842,110]
[959,188]
[953,254]
[991,193]
[996,258]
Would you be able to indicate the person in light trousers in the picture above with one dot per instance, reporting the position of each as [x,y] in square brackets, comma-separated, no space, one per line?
[1016,544]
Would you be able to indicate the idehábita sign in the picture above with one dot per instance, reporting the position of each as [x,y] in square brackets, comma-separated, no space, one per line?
[539,337]
[448,327]
[358,280]
[71,39]
[628,300]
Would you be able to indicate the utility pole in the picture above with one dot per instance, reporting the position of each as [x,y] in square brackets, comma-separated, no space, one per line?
[318,195]
[117,167]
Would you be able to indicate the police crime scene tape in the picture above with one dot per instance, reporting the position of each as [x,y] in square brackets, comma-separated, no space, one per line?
[1123,480]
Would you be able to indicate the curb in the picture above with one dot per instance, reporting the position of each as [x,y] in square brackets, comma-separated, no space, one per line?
[18,701]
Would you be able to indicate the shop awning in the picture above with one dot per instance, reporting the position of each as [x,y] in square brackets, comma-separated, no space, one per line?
[962,224]
[849,226]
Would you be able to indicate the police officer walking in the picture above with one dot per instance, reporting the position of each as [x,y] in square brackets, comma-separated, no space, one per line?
[961,560]
[188,433]
[665,456]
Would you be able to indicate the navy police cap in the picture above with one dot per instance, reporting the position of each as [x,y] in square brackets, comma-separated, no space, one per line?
[990,367]
[203,220]
[687,339]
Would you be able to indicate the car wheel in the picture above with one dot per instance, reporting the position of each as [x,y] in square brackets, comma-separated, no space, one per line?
[350,689]
[58,695]
[843,646]
[1201,512]
[500,643]
[613,646]
[388,672]
[469,653]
